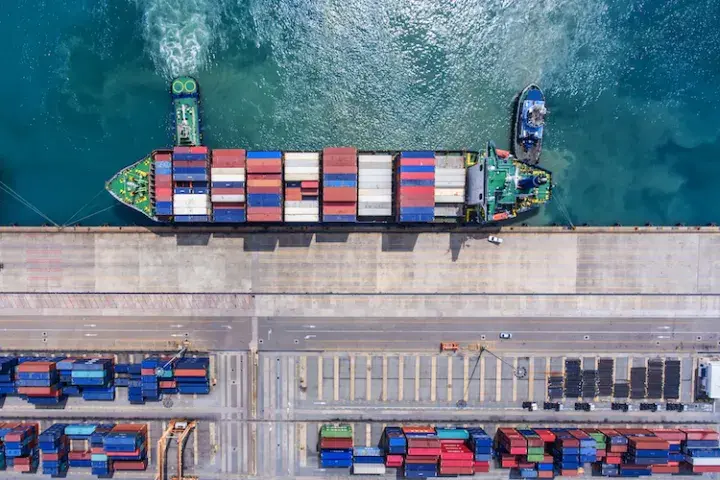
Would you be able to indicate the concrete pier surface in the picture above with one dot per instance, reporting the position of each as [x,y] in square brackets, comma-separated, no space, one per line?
[304,328]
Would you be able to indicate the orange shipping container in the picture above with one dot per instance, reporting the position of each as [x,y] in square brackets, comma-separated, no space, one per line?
[264,217]
[264,166]
[337,209]
[190,372]
[252,182]
[130,427]
[342,194]
[36,367]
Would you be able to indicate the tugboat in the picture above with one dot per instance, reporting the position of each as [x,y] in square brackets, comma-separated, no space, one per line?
[529,125]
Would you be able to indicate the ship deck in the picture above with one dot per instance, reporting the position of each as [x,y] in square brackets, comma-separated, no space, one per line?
[121,186]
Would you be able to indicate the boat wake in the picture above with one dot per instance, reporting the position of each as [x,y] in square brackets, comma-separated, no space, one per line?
[179,34]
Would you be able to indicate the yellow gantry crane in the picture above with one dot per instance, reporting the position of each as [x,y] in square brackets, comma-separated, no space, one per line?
[178,430]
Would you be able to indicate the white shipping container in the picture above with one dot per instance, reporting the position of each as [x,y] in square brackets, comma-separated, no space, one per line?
[379,205]
[295,156]
[374,212]
[450,161]
[449,210]
[228,198]
[449,174]
[302,203]
[458,193]
[302,218]
[375,191]
[227,178]
[381,158]
[188,200]
[301,211]
[450,184]
[228,171]
[301,163]
[369,468]
[190,211]
[374,198]
[702,461]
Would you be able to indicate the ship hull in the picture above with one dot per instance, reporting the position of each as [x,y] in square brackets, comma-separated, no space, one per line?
[521,151]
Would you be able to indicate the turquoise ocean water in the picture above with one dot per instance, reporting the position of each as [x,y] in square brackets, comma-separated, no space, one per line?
[633,88]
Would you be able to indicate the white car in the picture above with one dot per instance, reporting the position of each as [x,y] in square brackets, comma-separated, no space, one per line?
[495,240]
[505,336]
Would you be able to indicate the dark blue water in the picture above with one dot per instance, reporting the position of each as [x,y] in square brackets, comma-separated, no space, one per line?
[633,136]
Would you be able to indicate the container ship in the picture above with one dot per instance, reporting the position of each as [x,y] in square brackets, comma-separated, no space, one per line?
[191,183]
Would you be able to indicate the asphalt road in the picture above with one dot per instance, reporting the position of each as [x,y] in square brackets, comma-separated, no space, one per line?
[226,333]
[531,334]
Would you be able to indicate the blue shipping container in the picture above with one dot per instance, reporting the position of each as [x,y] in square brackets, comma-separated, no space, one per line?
[260,155]
[418,154]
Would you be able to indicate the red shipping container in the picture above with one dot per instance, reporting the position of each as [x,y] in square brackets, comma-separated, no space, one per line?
[228,163]
[456,470]
[230,205]
[340,443]
[417,202]
[309,192]
[544,474]
[526,464]
[664,469]
[338,210]
[275,190]
[147,371]
[162,157]
[421,459]
[131,427]
[394,460]
[181,163]
[310,184]
[418,429]
[265,176]
[340,194]
[699,434]
[455,452]
[417,176]
[456,463]
[168,384]
[340,151]
[163,192]
[706,468]
[263,217]
[181,149]
[332,169]
[424,162]
[229,152]
[228,191]
[51,456]
[293,195]
[21,460]
[84,455]
[197,163]
[201,149]
[39,391]
[130,465]
[36,367]
[569,473]
[265,210]
[483,467]
[194,372]
[264,166]
[21,468]
[97,450]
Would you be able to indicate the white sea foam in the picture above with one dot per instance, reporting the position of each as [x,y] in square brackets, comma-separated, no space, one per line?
[180,33]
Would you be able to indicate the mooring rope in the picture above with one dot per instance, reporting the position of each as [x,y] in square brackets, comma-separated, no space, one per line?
[5,187]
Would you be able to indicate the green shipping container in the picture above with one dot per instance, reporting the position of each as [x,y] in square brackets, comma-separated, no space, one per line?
[535,451]
[535,457]
[336,431]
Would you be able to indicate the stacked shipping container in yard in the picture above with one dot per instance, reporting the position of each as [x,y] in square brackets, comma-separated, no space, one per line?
[302,187]
[19,443]
[227,174]
[368,461]
[416,187]
[375,186]
[340,182]
[191,193]
[264,186]
[163,184]
[336,446]
[449,185]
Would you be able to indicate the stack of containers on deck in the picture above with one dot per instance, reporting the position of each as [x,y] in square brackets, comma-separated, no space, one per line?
[510,446]
[416,187]
[227,173]
[163,184]
[674,438]
[54,445]
[191,196]
[545,467]
[643,452]
[424,450]
[39,380]
[192,375]
[588,446]
[449,185]
[126,446]
[481,445]
[264,186]
[102,466]
[375,182]
[336,446]
[395,445]
[368,461]
[7,375]
[20,441]
[95,377]
[455,457]
[340,175]
[566,451]
[80,433]
[65,367]
[701,450]
[302,186]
